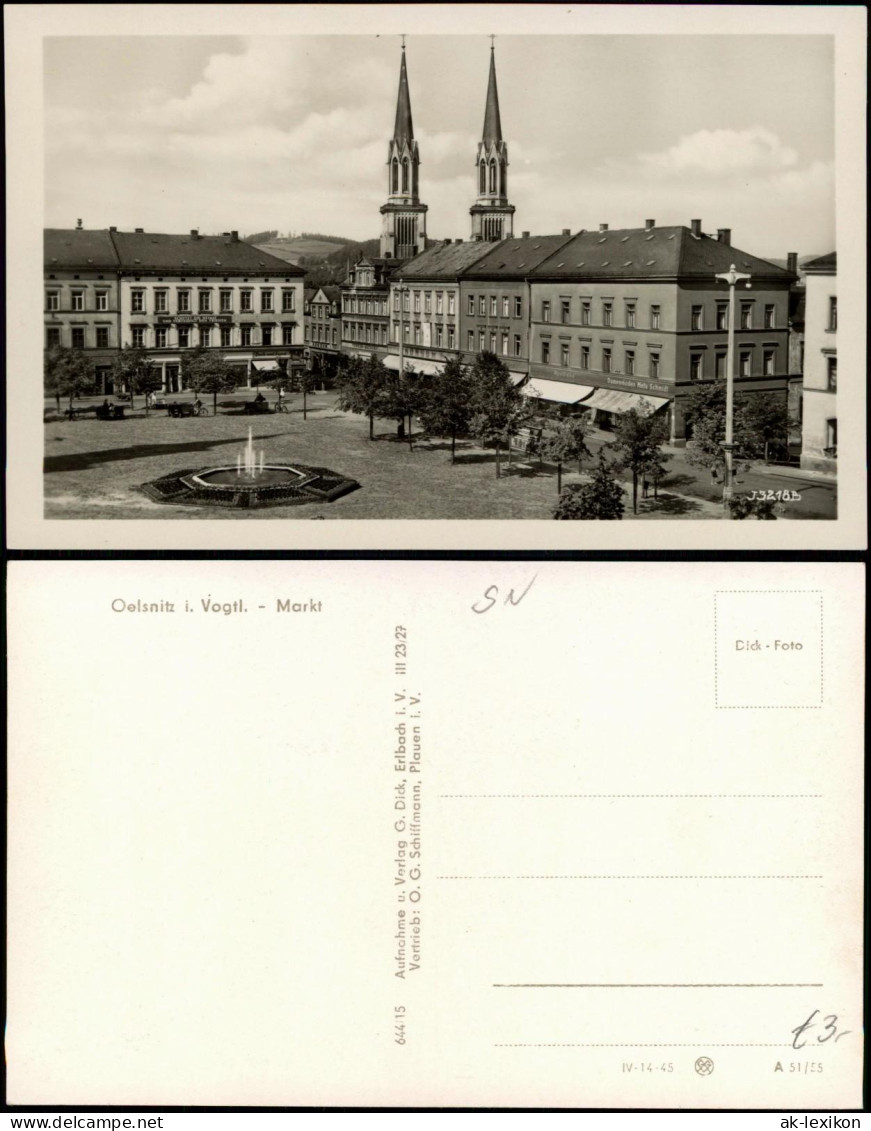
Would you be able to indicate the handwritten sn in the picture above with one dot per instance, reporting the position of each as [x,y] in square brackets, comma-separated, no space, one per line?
[491,594]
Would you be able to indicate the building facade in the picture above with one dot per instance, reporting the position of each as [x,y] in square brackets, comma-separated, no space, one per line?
[636,315]
[323,328]
[819,430]
[365,299]
[172,293]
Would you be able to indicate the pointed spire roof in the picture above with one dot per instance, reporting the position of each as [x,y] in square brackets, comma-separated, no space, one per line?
[492,121]
[403,130]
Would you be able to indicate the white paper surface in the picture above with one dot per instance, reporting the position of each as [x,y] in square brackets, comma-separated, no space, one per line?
[640,845]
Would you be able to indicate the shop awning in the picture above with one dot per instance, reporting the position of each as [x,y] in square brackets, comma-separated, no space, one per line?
[614,400]
[560,391]
[516,376]
[265,366]
[416,364]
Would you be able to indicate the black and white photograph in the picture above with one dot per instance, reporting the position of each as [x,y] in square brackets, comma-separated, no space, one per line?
[422,276]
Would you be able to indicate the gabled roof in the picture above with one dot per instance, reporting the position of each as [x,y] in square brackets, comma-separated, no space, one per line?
[825,264]
[444,261]
[214,254]
[76,247]
[670,252]
[514,257]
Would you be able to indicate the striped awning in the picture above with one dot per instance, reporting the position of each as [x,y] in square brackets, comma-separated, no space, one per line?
[414,365]
[560,391]
[615,400]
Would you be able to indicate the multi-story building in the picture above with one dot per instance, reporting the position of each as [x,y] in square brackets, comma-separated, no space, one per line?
[637,315]
[364,316]
[425,303]
[495,312]
[169,293]
[323,327]
[82,297]
[819,431]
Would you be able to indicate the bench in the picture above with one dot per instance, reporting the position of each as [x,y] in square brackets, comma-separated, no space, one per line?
[256,408]
[185,408]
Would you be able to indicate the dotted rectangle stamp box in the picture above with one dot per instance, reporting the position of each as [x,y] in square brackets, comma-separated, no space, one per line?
[768,649]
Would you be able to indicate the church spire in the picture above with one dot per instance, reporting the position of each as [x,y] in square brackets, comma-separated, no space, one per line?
[492,122]
[492,215]
[403,130]
[403,230]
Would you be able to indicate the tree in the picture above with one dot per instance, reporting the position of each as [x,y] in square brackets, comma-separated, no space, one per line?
[566,442]
[360,384]
[400,398]
[191,360]
[601,497]
[132,370]
[445,409]
[654,471]
[705,412]
[637,442]
[766,421]
[498,408]
[302,380]
[66,372]
[209,373]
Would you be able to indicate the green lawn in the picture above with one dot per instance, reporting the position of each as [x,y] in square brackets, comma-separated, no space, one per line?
[93,468]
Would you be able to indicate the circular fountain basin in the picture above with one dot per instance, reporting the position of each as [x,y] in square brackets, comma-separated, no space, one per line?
[271,475]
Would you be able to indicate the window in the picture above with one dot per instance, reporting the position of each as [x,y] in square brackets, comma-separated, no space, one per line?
[545,352]
[518,306]
[470,340]
[654,365]
[832,374]
[482,306]
[417,302]
[654,317]
[160,338]
[160,302]
[78,337]
[768,363]
[564,354]
[630,314]
[246,300]
[696,318]
[406,302]
[518,345]
[395,301]
[696,366]
[482,341]
[246,335]
[451,297]
[722,316]
[493,308]
[438,335]
[102,300]
[504,343]
[137,334]
[607,312]
[427,303]
[416,335]
[205,302]
[545,311]
[493,342]
[266,300]
[205,336]
[833,312]
[832,436]
[440,299]
[585,357]
[226,302]
[585,312]
[52,336]
[267,336]
[471,304]
[184,302]
[769,317]
[137,302]
[720,366]
[746,316]
[629,361]
[451,337]
[744,363]
[78,300]
[52,300]
[505,306]
[226,336]
[565,310]
[184,337]
[606,359]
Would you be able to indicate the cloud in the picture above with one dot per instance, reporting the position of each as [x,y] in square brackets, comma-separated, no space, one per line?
[722,151]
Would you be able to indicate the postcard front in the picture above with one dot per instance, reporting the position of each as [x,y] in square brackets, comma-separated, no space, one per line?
[499,834]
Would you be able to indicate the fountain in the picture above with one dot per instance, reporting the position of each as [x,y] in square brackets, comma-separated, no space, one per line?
[251,483]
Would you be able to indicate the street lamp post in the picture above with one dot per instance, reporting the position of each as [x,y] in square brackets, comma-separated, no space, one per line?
[731,277]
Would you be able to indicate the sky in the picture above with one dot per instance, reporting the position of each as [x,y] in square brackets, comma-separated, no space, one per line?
[290,132]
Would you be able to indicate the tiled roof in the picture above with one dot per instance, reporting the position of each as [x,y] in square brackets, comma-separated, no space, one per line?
[823,263]
[214,254]
[515,257]
[672,252]
[445,260]
[76,247]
